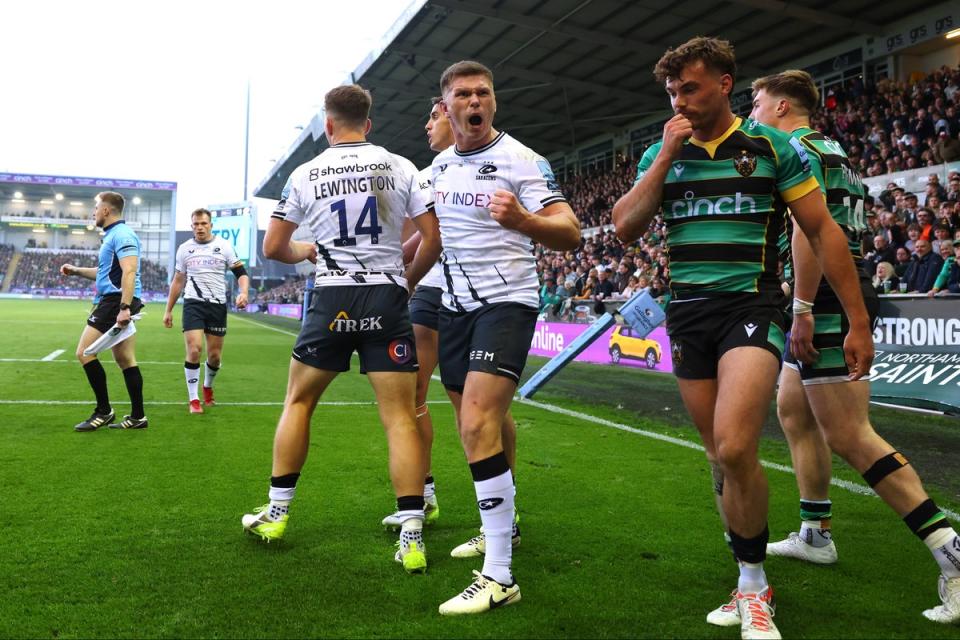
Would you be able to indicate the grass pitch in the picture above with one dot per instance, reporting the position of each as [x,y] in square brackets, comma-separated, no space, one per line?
[137,534]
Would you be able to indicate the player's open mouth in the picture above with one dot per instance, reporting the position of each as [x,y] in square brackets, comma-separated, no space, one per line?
[475,120]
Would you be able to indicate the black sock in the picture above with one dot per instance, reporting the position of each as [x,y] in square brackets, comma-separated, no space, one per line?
[135,388]
[98,380]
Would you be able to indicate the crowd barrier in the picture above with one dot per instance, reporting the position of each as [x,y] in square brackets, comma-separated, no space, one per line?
[917,342]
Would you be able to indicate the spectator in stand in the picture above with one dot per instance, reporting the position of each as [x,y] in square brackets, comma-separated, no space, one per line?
[949,277]
[934,188]
[942,235]
[946,250]
[882,252]
[924,268]
[904,260]
[910,208]
[633,286]
[913,234]
[953,188]
[886,279]
[947,147]
[891,229]
[925,222]
[548,295]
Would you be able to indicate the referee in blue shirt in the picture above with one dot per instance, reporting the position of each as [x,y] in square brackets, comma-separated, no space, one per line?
[118,297]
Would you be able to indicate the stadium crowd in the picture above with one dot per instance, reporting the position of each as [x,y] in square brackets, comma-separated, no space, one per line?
[290,292]
[41,270]
[884,128]
[894,126]
[6,254]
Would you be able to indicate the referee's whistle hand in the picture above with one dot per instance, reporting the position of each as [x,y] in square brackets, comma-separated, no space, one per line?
[66,269]
[123,318]
[168,320]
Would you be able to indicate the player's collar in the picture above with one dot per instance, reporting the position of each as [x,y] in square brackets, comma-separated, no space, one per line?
[349,144]
[111,226]
[480,149]
[710,146]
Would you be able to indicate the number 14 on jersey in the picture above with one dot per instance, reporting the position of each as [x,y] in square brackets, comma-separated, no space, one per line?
[361,228]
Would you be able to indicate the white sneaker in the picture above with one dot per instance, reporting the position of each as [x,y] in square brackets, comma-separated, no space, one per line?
[485,594]
[477,546]
[726,615]
[756,615]
[795,547]
[949,611]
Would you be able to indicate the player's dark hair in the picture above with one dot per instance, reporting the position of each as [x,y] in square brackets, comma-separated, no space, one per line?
[201,212]
[349,105]
[113,199]
[715,53]
[463,68]
[795,85]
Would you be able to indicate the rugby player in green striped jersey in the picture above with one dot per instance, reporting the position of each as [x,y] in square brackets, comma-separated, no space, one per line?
[723,185]
[820,408]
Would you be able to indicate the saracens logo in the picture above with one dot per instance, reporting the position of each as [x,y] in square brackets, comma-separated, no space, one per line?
[677,352]
[486,170]
[489,503]
[745,163]
[400,351]
[343,323]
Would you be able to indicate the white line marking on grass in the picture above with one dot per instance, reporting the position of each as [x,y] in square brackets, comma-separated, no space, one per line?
[71,361]
[53,355]
[843,484]
[330,403]
[264,326]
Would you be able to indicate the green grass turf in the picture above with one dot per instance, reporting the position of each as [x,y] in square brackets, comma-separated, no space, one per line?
[137,534]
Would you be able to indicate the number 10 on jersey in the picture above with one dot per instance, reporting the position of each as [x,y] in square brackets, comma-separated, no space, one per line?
[362,228]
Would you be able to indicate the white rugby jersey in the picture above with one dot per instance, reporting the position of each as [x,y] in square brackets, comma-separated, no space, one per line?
[355,197]
[204,265]
[483,262]
[434,277]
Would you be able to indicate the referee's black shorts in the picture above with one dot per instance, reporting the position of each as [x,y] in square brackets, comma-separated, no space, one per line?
[104,313]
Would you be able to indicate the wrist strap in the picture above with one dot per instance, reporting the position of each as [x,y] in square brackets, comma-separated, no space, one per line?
[801,307]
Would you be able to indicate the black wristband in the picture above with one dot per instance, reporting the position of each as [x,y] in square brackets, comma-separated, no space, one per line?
[124,306]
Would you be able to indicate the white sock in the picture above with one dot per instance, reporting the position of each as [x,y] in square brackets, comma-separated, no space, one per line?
[752,578]
[814,534]
[192,376]
[944,544]
[411,528]
[429,488]
[209,373]
[495,499]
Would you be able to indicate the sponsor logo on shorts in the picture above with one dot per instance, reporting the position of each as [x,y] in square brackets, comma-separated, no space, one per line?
[218,329]
[678,169]
[480,354]
[489,503]
[750,327]
[343,323]
[400,351]
[92,319]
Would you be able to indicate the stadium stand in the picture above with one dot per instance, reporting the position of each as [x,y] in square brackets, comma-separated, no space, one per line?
[39,268]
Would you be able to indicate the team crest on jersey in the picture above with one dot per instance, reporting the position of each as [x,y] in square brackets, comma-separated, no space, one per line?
[676,352]
[745,163]
[486,172]
[443,168]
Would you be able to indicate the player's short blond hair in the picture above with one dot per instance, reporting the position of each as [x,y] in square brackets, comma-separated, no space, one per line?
[461,69]
[714,53]
[795,85]
[201,212]
[349,105]
[113,200]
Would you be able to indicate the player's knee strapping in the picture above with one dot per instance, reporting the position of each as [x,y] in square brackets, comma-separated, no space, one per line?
[883,467]
[422,410]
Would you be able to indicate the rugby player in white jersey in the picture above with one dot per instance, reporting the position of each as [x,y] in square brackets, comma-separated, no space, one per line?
[425,306]
[354,197]
[494,197]
[200,267]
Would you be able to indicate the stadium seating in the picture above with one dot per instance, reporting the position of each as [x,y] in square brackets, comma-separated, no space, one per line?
[41,270]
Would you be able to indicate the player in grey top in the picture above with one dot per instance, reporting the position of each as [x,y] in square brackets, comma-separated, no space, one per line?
[201,265]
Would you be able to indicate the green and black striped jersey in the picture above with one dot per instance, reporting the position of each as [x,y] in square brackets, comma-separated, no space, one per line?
[842,187]
[724,206]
